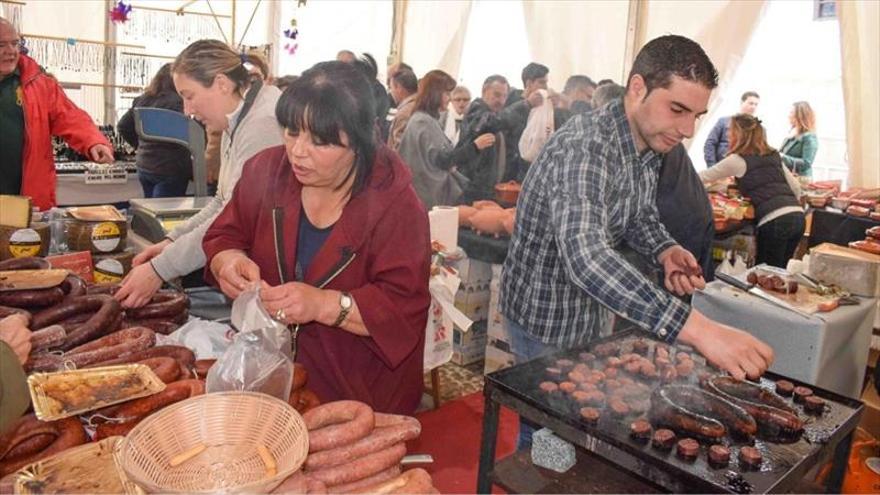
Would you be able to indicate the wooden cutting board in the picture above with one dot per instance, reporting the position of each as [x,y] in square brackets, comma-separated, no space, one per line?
[30,279]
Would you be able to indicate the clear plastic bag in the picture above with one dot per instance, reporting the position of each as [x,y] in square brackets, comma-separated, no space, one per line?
[538,129]
[259,358]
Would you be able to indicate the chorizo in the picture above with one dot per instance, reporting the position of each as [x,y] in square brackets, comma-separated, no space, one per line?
[361,468]
[182,354]
[775,419]
[104,348]
[69,433]
[364,485]
[699,414]
[109,289]
[166,368]
[163,325]
[202,366]
[394,429]
[73,286]
[162,305]
[32,298]
[135,411]
[106,309]
[47,338]
[26,263]
[338,423]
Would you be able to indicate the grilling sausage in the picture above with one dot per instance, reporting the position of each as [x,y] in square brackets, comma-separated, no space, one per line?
[774,417]
[699,413]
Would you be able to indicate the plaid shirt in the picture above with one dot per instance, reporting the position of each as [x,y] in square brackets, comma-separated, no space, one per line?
[588,191]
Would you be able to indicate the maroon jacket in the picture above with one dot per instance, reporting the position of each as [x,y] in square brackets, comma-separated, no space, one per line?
[385,227]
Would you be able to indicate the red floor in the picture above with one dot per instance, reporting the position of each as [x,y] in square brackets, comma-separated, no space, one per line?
[452,434]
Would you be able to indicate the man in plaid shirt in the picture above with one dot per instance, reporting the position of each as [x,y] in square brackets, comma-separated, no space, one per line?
[594,186]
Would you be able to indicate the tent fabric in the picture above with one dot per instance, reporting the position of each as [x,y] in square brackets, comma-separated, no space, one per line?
[859,39]
[434,35]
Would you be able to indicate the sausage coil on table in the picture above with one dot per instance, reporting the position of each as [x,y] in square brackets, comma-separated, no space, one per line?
[29,440]
[136,410]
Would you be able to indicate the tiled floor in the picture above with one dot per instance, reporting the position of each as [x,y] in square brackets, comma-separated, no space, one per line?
[455,381]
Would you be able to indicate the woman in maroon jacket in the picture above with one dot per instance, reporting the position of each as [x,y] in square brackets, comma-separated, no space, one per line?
[331,227]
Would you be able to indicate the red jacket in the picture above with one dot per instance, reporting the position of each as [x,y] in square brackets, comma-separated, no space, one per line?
[385,228]
[48,112]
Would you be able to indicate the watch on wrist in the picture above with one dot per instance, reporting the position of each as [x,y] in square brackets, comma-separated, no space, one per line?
[345,304]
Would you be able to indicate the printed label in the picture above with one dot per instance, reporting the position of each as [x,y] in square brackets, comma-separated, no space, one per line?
[109,271]
[105,237]
[24,242]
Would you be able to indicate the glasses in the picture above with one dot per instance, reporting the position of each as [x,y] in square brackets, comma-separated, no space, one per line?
[10,44]
[461,99]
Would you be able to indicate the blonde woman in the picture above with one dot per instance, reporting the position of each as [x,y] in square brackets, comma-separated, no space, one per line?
[218,91]
[799,148]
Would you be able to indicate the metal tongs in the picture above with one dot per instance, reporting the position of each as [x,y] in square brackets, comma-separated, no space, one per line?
[844,297]
[760,293]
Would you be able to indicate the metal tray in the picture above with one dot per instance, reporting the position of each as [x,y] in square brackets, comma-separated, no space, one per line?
[89,468]
[128,381]
[784,464]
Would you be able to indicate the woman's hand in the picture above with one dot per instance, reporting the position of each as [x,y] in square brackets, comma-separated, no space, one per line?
[295,303]
[484,141]
[139,286]
[234,271]
[15,333]
[150,253]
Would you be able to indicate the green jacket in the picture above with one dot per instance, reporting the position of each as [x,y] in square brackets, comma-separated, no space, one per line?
[14,396]
[799,152]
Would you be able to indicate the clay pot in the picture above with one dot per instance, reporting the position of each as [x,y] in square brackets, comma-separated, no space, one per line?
[507,192]
[464,215]
[487,205]
[508,222]
[489,221]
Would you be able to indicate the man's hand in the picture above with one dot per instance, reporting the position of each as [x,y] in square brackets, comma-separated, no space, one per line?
[728,348]
[14,331]
[683,273]
[535,99]
[101,153]
[484,141]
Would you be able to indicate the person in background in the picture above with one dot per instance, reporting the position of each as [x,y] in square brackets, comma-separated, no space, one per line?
[257,65]
[426,149]
[606,93]
[33,108]
[450,119]
[219,92]
[516,116]
[15,346]
[576,98]
[771,187]
[799,148]
[716,145]
[385,125]
[346,56]
[352,220]
[404,86]
[368,67]
[603,82]
[284,81]
[164,169]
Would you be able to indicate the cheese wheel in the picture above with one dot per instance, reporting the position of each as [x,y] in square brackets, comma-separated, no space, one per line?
[98,237]
[23,242]
[112,268]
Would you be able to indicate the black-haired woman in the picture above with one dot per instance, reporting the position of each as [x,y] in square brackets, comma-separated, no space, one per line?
[330,226]
[164,169]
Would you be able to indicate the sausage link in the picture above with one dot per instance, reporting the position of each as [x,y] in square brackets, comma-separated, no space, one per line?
[699,414]
[47,338]
[35,442]
[162,305]
[300,483]
[361,468]
[300,376]
[70,433]
[73,286]
[106,311]
[776,420]
[136,410]
[166,369]
[33,298]
[414,481]
[365,485]
[26,263]
[303,400]
[26,427]
[109,289]
[338,423]
[7,311]
[179,353]
[163,325]
[202,366]
[403,429]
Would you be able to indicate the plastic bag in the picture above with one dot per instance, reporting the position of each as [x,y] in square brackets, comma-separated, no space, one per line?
[259,358]
[207,339]
[538,129]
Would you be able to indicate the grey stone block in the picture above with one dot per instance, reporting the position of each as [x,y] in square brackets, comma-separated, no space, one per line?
[552,452]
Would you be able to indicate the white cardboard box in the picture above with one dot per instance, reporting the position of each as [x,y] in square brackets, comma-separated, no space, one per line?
[497,359]
[473,272]
[495,320]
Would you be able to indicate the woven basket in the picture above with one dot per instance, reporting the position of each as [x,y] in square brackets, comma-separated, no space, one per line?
[231,425]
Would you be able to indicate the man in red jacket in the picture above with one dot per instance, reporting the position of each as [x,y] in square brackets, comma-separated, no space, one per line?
[33,108]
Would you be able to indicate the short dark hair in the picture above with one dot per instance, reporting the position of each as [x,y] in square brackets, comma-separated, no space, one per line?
[749,94]
[533,71]
[284,81]
[673,55]
[576,82]
[431,88]
[328,99]
[603,82]
[367,65]
[404,66]
[494,78]
[162,83]
[407,80]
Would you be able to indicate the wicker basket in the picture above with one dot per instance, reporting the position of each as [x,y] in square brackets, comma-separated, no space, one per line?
[232,426]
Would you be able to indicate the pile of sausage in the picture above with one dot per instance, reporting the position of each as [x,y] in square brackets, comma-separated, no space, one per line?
[355,450]
[772,282]
[69,319]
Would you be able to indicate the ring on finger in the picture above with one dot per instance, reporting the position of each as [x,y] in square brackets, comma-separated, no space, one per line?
[279,315]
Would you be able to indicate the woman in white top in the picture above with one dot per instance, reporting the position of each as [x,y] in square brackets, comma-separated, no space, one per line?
[219,92]
[770,185]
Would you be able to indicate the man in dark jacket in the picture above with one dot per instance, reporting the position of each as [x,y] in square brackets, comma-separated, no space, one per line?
[516,112]
[716,143]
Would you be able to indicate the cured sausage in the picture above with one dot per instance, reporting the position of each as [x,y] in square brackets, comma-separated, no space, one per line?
[7,311]
[338,423]
[68,433]
[104,348]
[361,468]
[202,366]
[303,400]
[366,485]
[26,263]
[162,305]
[699,414]
[181,354]
[775,419]
[414,481]
[47,338]
[299,483]
[73,286]
[166,368]
[164,325]
[136,410]
[300,376]
[106,309]
[32,298]
[718,456]
[102,289]
[390,430]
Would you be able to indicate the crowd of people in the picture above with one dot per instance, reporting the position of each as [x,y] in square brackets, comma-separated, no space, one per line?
[322,190]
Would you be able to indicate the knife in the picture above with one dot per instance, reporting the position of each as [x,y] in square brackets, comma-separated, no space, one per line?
[758,292]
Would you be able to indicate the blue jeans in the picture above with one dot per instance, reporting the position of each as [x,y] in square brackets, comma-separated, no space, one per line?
[525,347]
[162,186]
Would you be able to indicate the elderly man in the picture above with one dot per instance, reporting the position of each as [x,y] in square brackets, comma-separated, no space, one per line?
[32,104]
[404,86]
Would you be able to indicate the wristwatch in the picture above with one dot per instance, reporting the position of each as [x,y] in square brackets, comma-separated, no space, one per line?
[345,304]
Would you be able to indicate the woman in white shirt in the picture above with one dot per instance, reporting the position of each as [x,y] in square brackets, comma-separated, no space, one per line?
[772,188]
[219,92]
